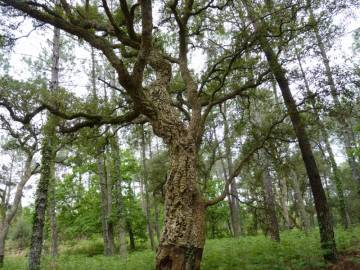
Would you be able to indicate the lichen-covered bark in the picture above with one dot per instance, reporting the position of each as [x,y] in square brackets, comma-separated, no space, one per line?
[183,238]
[48,154]
[47,158]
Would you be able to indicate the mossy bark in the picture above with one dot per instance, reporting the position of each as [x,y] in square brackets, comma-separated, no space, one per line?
[47,161]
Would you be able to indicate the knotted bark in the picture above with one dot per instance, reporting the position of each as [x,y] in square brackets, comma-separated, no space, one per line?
[183,238]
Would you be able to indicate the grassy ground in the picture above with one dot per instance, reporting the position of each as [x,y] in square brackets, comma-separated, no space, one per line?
[295,252]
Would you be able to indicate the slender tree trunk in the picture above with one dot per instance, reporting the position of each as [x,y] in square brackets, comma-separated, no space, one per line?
[115,150]
[131,236]
[10,214]
[3,233]
[331,159]
[156,203]
[270,209]
[156,220]
[48,154]
[233,198]
[115,154]
[47,158]
[299,201]
[345,131]
[105,177]
[52,215]
[283,198]
[105,215]
[146,189]
[323,213]
[109,200]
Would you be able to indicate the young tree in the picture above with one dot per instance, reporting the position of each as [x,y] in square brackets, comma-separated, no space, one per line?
[25,143]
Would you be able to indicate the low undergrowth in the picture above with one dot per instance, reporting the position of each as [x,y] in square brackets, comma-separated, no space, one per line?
[296,251]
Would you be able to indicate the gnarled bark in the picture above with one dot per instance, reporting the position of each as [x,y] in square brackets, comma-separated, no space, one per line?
[183,238]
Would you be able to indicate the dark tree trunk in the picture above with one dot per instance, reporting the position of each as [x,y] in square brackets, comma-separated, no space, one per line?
[321,205]
[331,159]
[3,234]
[345,131]
[131,236]
[323,213]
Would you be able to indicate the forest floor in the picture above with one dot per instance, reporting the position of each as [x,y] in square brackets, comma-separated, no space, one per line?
[347,261]
[296,251]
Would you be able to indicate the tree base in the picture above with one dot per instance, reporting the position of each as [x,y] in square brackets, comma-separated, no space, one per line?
[171,257]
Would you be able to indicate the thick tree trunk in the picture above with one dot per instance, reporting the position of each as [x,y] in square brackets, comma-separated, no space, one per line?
[108,236]
[146,190]
[345,131]
[331,159]
[270,209]
[183,239]
[321,205]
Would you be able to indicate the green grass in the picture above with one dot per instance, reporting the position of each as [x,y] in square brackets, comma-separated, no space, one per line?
[295,252]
